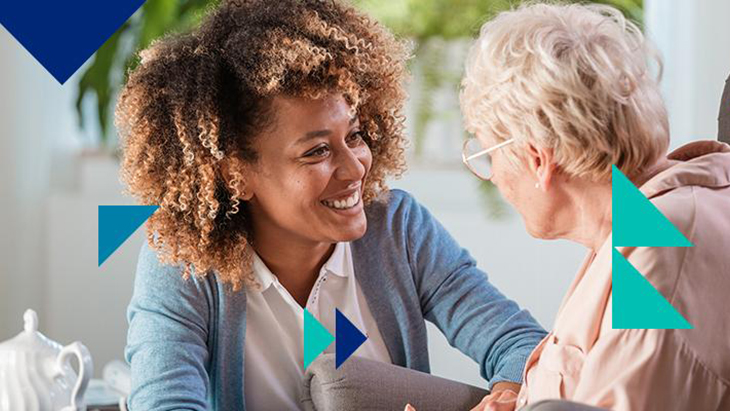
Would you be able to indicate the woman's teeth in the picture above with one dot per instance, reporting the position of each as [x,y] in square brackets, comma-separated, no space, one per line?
[344,204]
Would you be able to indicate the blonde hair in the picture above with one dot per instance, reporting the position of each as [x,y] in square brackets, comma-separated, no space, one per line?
[572,78]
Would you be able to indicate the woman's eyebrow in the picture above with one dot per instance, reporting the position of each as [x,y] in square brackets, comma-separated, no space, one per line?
[320,133]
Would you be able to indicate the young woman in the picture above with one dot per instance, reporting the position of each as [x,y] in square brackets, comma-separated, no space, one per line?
[266,137]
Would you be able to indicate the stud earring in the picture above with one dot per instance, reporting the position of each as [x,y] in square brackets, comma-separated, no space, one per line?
[537,185]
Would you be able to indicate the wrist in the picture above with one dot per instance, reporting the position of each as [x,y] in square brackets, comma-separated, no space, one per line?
[506,385]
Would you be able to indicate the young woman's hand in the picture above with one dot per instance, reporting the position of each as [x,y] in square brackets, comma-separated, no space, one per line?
[502,398]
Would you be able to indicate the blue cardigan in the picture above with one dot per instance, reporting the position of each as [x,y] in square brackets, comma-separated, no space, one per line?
[186,338]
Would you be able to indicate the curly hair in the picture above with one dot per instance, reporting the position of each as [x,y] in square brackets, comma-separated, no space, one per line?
[199,99]
[574,78]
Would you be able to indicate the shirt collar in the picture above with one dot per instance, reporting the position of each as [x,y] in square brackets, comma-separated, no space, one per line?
[262,273]
[338,264]
[703,163]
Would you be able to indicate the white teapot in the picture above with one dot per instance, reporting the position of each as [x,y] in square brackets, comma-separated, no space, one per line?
[36,374]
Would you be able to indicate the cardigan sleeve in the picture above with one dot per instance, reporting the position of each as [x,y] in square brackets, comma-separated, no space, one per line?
[458,298]
[167,338]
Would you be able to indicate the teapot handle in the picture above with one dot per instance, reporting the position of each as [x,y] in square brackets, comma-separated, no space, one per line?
[86,368]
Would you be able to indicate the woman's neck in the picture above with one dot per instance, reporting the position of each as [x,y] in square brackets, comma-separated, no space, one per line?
[590,211]
[591,206]
[295,263]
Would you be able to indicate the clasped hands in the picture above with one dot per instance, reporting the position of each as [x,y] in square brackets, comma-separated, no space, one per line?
[502,398]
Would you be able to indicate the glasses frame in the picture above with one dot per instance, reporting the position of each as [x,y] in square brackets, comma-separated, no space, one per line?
[486,151]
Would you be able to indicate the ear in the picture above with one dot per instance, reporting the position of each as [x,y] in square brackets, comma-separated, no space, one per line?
[541,163]
[234,172]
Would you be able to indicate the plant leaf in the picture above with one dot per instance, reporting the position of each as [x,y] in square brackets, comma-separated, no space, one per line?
[158,16]
[96,79]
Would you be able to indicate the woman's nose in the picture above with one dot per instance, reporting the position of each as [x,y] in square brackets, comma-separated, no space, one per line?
[351,165]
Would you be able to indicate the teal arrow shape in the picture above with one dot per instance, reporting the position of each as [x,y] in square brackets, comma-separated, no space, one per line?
[316,338]
[637,222]
[117,223]
[637,304]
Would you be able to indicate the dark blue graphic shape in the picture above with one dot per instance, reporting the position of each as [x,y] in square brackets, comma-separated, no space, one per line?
[347,338]
[62,35]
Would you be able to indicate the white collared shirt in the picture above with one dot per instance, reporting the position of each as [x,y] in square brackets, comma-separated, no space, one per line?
[274,353]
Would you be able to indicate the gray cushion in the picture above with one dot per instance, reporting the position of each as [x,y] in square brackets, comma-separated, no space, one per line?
[361,384]
[724,119]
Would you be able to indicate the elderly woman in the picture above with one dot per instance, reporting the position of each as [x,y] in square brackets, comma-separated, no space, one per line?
[266,137]
[556,95]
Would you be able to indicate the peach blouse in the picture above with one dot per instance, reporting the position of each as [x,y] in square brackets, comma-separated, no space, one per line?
[585,360]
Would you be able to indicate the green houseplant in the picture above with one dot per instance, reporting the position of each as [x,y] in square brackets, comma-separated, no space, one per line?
[102,78]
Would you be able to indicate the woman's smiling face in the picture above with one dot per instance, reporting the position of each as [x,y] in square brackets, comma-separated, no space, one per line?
[307,183]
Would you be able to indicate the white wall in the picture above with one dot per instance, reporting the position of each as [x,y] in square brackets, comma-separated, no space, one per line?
[694,38]
[24,158]
[44,247]
[83,301]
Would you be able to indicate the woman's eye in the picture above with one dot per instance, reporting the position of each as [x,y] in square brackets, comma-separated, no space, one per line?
[355,138]
[318,152]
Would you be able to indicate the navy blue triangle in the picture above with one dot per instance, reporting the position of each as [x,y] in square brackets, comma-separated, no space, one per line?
[62,35]
[347,338]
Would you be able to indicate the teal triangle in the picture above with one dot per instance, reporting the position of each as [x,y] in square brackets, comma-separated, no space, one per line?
[637,304]
[116,224]
[636,221]
[316,338]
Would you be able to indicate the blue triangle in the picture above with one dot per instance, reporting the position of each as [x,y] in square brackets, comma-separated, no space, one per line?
[636,221]
[349,338]
[117,223]
[316,338]
[637,304]
[62,35]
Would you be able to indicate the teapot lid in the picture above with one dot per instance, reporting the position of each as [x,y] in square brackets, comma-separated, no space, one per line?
[30,340]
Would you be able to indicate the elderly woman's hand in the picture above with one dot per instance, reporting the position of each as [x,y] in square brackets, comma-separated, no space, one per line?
[502,398]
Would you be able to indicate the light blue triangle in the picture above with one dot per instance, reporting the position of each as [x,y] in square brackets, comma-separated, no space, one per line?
[636,222]
[316,338]
[637,304]
[117,223]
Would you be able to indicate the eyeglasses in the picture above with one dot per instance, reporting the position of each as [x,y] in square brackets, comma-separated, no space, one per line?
[475,157]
